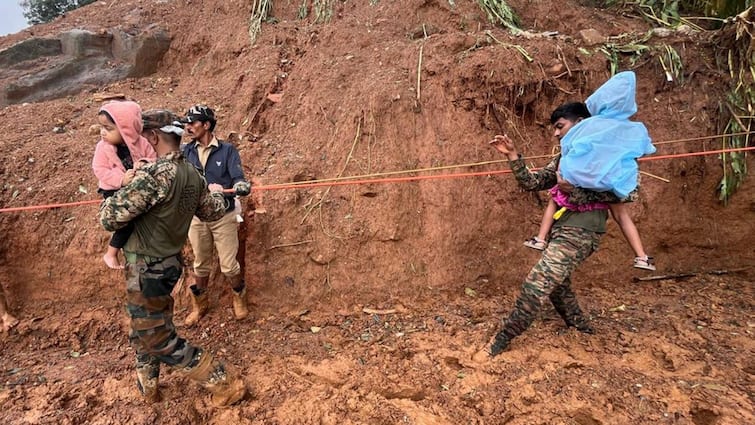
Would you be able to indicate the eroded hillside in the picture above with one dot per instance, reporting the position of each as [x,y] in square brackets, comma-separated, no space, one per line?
[381,87]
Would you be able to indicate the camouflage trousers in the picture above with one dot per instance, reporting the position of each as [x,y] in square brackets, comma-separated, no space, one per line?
[550,280]
[149,304]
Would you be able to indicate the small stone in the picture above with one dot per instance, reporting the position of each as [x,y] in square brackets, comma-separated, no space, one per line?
[591,37]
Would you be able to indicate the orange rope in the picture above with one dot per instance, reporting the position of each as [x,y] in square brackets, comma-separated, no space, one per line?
[50,206]
[69,204]
[385,180]
[703,138]
[479,173]
[701,153]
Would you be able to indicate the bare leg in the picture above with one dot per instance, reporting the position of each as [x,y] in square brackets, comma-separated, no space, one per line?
[111,258]
[547,222]
[8,320]
[620,213]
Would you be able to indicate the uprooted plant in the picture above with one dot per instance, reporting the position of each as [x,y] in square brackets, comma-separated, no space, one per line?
[500,13]
[737,54]
[672,13]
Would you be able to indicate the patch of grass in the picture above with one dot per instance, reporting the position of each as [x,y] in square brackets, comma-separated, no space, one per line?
[500,13]
[303,11]
[260,13]
[672,13]
[323,10]
[618,47]
[671,63]
[737,54]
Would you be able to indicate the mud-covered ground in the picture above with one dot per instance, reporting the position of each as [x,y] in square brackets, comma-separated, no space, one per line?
[369,300]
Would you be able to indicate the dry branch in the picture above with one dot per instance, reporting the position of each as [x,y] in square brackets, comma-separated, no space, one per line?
[285,245]
[686,275]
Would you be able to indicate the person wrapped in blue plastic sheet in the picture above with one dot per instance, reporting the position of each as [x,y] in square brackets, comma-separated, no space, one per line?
[600,152]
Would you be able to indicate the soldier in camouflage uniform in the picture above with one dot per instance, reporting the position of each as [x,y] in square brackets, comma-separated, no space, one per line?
[160,201]
[574,237]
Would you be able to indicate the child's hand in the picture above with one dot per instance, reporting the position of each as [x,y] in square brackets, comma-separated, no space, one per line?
[504,145]
[140,163]
[127,177]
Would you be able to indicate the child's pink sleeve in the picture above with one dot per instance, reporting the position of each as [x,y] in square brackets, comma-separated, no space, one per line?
[107,167]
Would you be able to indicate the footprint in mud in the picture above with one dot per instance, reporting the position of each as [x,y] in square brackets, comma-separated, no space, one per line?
[453,363]
[404,392]
[703,416]
[481,356]
[585,417]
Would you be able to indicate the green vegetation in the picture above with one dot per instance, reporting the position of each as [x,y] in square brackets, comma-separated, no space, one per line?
[669,12]
[41,11]
[260,12]
[624,45]
[737,54]
[500,13]
[671,63]
[321,9]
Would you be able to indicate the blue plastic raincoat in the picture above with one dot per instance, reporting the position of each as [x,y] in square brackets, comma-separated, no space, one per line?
[600,153]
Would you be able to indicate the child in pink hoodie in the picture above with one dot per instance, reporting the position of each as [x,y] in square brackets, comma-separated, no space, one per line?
[120,149]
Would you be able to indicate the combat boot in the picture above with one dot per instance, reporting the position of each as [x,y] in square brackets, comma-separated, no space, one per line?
[240,309]
[226,387]
[199,302]
[147,380]
[569,310]
[500,344]
[581,324]
[575,319]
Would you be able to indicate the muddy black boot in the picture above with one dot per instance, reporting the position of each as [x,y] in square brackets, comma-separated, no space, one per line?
[581,324]
[500,344]
[565,304]
[148,377]
[576,321]
[226,387]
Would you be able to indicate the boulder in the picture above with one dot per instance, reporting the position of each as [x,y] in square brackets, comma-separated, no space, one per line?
[38,69]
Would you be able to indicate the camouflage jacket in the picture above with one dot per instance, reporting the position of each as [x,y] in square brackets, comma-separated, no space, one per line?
[151,186]
[545,179]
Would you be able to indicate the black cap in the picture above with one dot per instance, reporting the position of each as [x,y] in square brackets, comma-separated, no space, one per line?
[200,113]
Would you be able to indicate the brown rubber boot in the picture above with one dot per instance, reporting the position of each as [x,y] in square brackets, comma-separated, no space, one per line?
[226,387]
[240,309]
[147,380]
[199,302]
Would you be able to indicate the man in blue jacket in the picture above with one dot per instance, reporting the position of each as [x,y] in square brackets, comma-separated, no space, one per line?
[220,163]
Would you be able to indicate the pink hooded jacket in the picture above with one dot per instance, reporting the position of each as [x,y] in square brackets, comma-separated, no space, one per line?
[106,165]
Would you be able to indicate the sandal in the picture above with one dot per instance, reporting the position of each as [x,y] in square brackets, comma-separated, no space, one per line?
[536,243]
[645,263]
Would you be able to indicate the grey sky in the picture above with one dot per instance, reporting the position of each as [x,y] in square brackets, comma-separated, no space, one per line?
[11,17]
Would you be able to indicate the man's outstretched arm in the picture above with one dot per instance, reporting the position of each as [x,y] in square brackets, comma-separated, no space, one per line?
[543,179]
